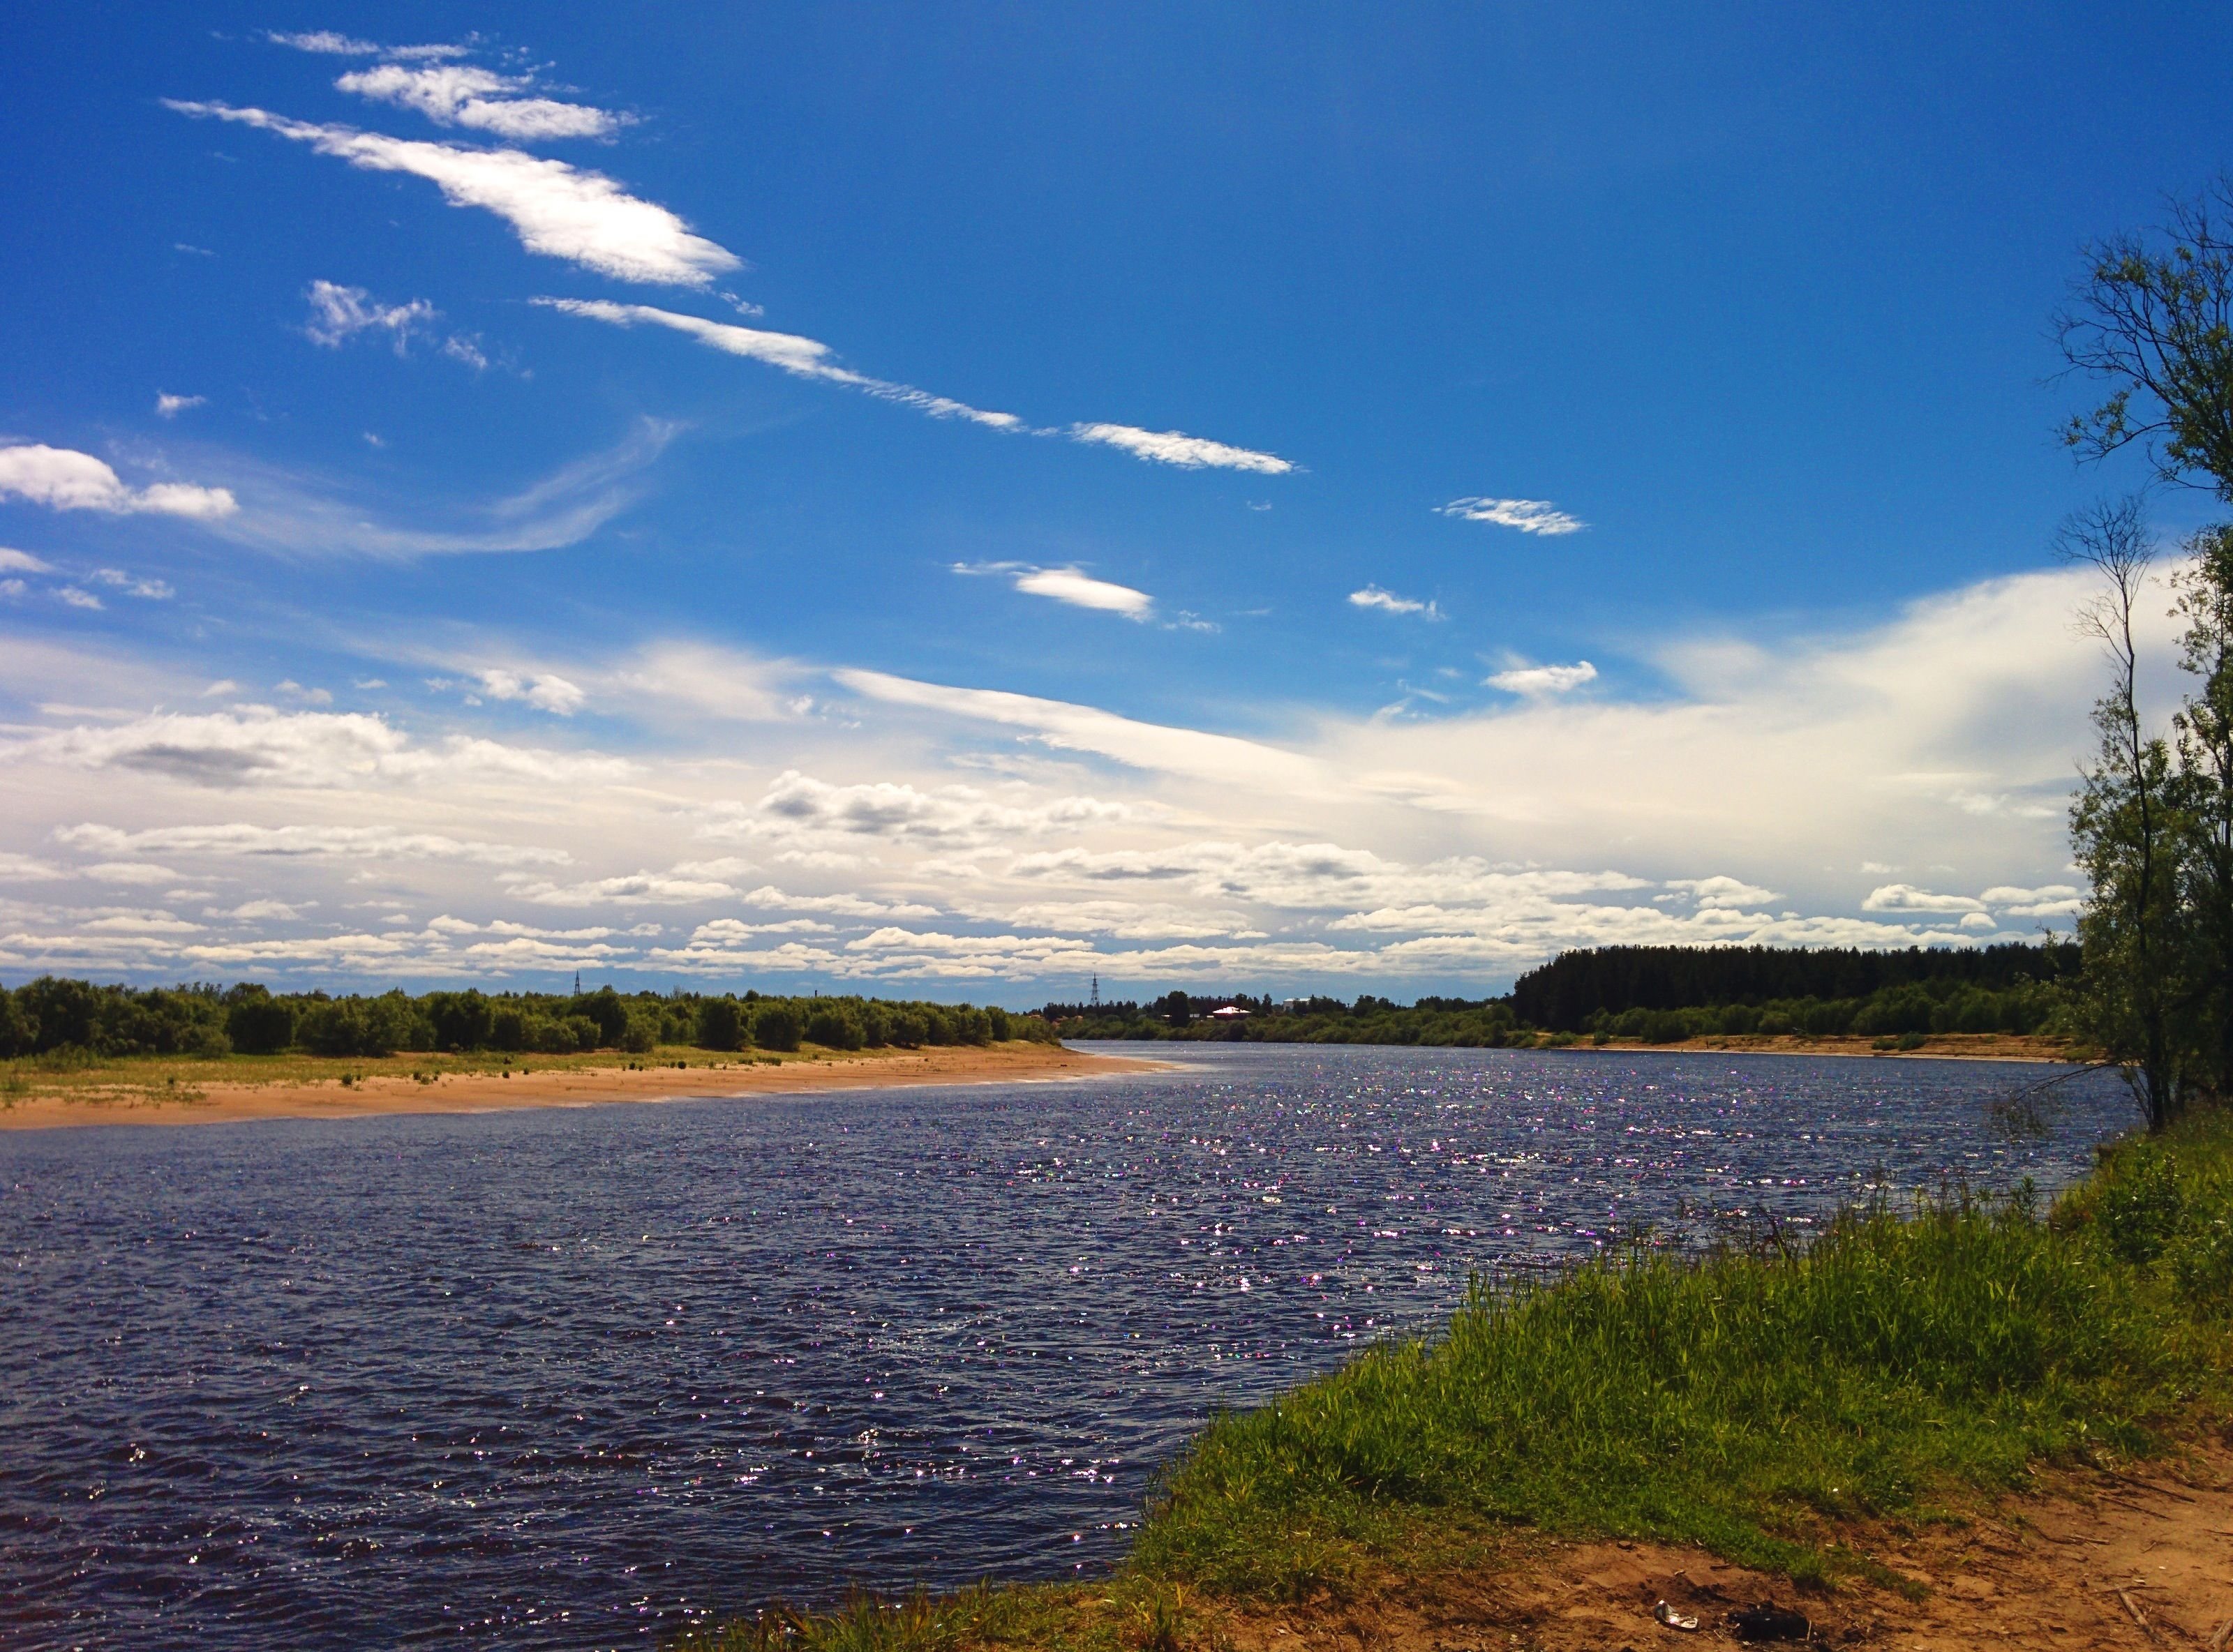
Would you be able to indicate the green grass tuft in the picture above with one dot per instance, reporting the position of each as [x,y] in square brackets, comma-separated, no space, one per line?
[1748,1402]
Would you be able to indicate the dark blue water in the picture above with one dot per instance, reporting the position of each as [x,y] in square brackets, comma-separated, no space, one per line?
[563,1378]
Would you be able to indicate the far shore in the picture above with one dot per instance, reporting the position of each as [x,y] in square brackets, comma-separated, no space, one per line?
[385,1090]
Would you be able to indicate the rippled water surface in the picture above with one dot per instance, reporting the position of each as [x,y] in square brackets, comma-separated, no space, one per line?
[558,1378]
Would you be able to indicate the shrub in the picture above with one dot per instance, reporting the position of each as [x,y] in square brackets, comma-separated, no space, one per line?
[260,1025]
[833,1027]
[775,1027]
[721,1025]
[641,1036]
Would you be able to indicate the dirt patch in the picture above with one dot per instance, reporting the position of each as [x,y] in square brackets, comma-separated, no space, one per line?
[2143,1560]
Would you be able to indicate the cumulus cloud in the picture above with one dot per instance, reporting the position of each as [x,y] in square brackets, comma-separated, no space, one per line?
[1529,516]
[1905,897]
[799,810]
[1541,680]
[77,599]
[632,888]
[63,479]
[557,210]
[257,745]
[1732,893]
[170,406]
[22,561]
[2049,900]
[453,95]
[1388,602]
[1173,447]
[546,690]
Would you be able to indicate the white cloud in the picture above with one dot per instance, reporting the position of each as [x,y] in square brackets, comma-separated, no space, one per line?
[154,590]
[170,406]
[558,211]
[22,561]
[546,691]
[2049,900]
[1905,897]
[327,43]
[129,872]
[1529,516]
[1083,590]
[260,912]
[63,479]
[256,745]
[76,598]
[1084,728]
[1543,680]
[456,95]
[1172,447]
[339,313]
[25,869]
[803,358]
[304,843]
[635,888]
[1388,602]
[1732,893]
[798,809]
[839,906]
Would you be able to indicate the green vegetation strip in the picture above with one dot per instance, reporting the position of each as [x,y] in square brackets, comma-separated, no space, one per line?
[1762,1403]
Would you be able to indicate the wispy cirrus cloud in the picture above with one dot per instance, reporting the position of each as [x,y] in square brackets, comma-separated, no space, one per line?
[327,43]
[1372,596]
[63,479]
[456,94]
[807,358]
[556,210]
[803,358]
[1175,447]
[1529,516]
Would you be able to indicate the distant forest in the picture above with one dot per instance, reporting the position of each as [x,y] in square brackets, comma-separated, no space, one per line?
[54,1014]
[1659,994]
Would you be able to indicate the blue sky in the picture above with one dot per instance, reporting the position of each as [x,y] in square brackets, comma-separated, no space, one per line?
[965,499]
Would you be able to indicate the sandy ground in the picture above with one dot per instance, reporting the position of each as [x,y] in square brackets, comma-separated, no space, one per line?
[580,1086]
[2144,1559]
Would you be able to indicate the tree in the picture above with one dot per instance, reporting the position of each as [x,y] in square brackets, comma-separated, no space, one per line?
[2203,731]
[775,1026]
[2124,828]
[2153,314]
[721,1025]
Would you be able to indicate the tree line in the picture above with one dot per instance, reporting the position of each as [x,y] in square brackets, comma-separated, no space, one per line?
[1658,994]
[57,1014]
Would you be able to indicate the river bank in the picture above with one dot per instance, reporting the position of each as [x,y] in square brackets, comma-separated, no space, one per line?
[1974,1423]
[160,1090]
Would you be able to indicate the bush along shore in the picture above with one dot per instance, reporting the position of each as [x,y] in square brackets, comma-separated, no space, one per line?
[1773,1406]
[60,1022]
[1658,995]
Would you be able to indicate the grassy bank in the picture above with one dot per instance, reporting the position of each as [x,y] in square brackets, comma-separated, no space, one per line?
[1765,1404]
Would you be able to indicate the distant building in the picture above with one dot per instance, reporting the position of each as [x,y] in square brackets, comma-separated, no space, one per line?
[1230,1012]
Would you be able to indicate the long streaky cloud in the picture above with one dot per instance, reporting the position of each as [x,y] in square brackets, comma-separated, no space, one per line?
[558,211]
[1083,590]
[1173,447]
[63,479]
[808,358]
[328,43]
[804,358]
[1224,758]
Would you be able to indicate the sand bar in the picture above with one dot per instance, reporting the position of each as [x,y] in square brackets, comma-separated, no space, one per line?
[224,1103]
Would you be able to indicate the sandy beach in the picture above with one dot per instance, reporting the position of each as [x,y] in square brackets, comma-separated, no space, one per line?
[224,1103]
